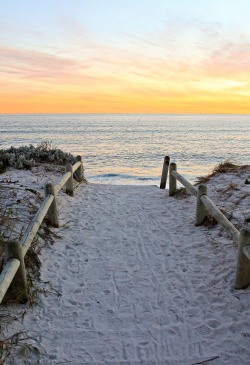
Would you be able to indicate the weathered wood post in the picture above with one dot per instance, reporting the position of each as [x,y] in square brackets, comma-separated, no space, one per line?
[79,170]
[52,213]
[164,174]
[172,179]
[18,289]
[201,212]
[70,182]
[242,279]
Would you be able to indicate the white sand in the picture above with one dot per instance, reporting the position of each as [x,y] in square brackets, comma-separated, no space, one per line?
[139,283]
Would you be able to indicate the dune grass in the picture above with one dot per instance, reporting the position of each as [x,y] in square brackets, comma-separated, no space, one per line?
[222,168]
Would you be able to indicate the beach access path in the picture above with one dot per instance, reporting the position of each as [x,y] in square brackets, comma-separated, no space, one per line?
[139,284]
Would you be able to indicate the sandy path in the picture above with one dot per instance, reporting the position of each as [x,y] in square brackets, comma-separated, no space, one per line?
[140,285]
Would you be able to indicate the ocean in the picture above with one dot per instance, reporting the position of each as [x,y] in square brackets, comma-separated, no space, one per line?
[129,148]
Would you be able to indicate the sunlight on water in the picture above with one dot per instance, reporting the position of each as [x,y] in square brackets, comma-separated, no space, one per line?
[129,149]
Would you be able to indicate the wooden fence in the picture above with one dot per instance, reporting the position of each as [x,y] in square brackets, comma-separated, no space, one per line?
[205,205]
[13,275]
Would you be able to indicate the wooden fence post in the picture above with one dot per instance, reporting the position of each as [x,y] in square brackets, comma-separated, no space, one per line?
[18,289]
[79,170]
[164,174]
[201,212]
[242,279]
[70,182]
[52,213]
[172,179]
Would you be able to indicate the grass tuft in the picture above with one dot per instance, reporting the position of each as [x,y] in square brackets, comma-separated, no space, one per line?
[181,193]
[222,168]
[209,221]
[22,346]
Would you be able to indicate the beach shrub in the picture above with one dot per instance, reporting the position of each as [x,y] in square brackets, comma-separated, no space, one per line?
[25,157]
[2,168]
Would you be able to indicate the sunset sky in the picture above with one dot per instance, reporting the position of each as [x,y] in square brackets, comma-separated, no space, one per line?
[125,56]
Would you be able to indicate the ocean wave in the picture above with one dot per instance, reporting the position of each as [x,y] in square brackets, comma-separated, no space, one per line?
[121,176]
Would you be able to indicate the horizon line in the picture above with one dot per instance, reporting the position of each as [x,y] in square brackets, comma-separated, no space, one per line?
[98,113]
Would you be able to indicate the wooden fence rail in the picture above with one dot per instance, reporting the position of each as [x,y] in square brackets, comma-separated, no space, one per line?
[13,275]
[205,205]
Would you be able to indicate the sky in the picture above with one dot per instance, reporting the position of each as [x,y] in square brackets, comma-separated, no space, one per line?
[125,56]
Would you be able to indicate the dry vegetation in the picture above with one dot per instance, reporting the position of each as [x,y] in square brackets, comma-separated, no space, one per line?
[181,193]
[222,168]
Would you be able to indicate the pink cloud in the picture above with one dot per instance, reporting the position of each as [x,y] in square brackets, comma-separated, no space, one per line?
[28,64]
[229,59]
